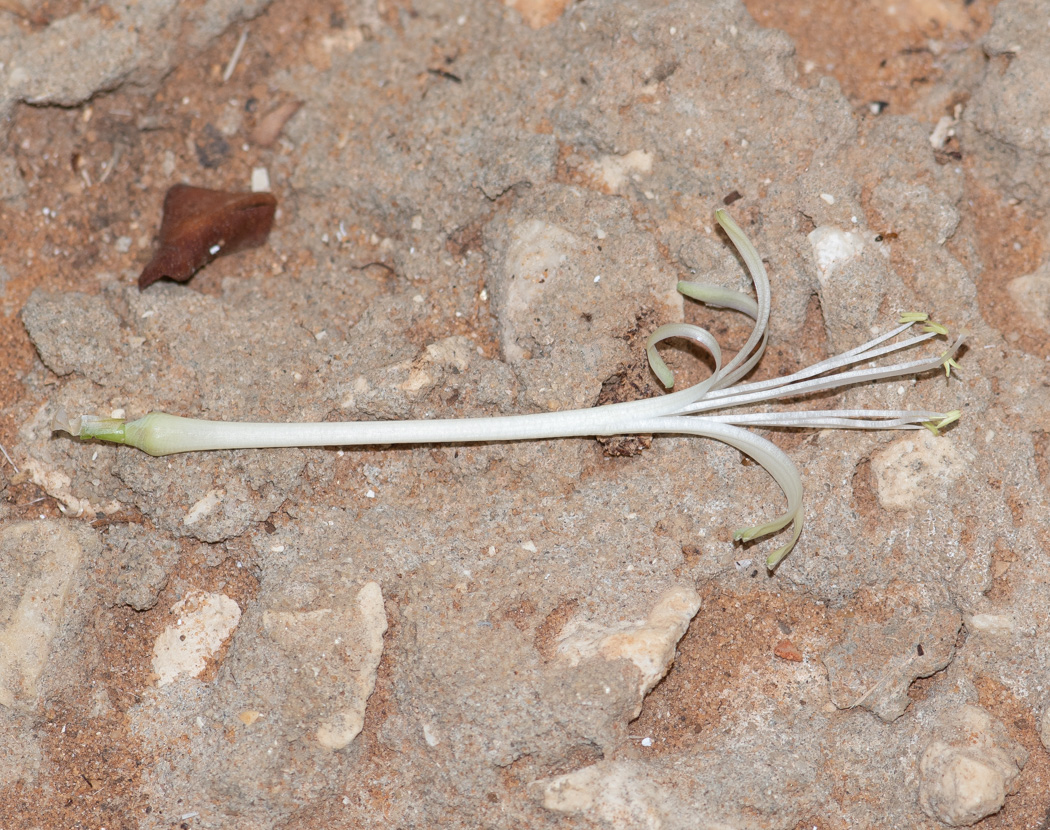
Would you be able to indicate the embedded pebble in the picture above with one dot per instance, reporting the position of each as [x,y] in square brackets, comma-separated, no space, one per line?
[537,256]
[337,652]
[998,625]
[204,621]
[911,467]
[786,650]
[874,664]
[833,248]
[616,171]
[203,507]
[38,563]
[617,795]
[538,13]
[967,772]
[649,644]
[1031,296]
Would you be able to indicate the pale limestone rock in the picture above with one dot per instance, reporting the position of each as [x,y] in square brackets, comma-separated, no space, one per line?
[616,171]
[876,662]
[998,625]
[337,651]
[537,257]
[910,467]
[38,563]
[649,644]
[1031,295]
[52,477]
[833,248]
[204,622]
[616,795]
[433,362]
[967,772]
[203,507]
[552,266]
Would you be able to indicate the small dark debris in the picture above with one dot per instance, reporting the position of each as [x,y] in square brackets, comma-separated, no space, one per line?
[919,650]
[630,383]
[448,76]
[212,148]
[732,196]
[663,71]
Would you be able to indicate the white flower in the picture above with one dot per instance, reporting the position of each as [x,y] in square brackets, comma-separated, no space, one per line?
[698,410]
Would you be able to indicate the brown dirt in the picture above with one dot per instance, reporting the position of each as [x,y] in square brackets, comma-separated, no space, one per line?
[91,180]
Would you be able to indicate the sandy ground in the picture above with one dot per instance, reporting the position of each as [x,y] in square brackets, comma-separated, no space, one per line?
[483,210]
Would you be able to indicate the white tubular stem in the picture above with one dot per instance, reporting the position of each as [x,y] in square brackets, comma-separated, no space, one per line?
[161,434]
[676,413]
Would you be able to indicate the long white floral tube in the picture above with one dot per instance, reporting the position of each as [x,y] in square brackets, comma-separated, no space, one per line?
[686,412]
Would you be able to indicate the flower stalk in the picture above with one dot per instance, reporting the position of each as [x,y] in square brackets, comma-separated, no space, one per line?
[690,411]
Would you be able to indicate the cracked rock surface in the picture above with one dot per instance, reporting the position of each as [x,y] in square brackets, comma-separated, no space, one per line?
[484,209]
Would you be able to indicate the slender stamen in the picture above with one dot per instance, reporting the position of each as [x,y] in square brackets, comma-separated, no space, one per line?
[679,412]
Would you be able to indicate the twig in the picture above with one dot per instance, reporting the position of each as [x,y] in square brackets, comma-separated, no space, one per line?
[9,461]
[236,56]
[118,149]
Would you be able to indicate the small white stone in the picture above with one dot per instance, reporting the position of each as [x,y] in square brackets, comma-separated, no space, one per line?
[995,624]
[38,566]
[616,171]
[649,644]
[966,775]
[833,248]
[942,132]
[429,736]
[204,506]
[260,180]
[205,621]
[615,795]
[336,698]
[909,467]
